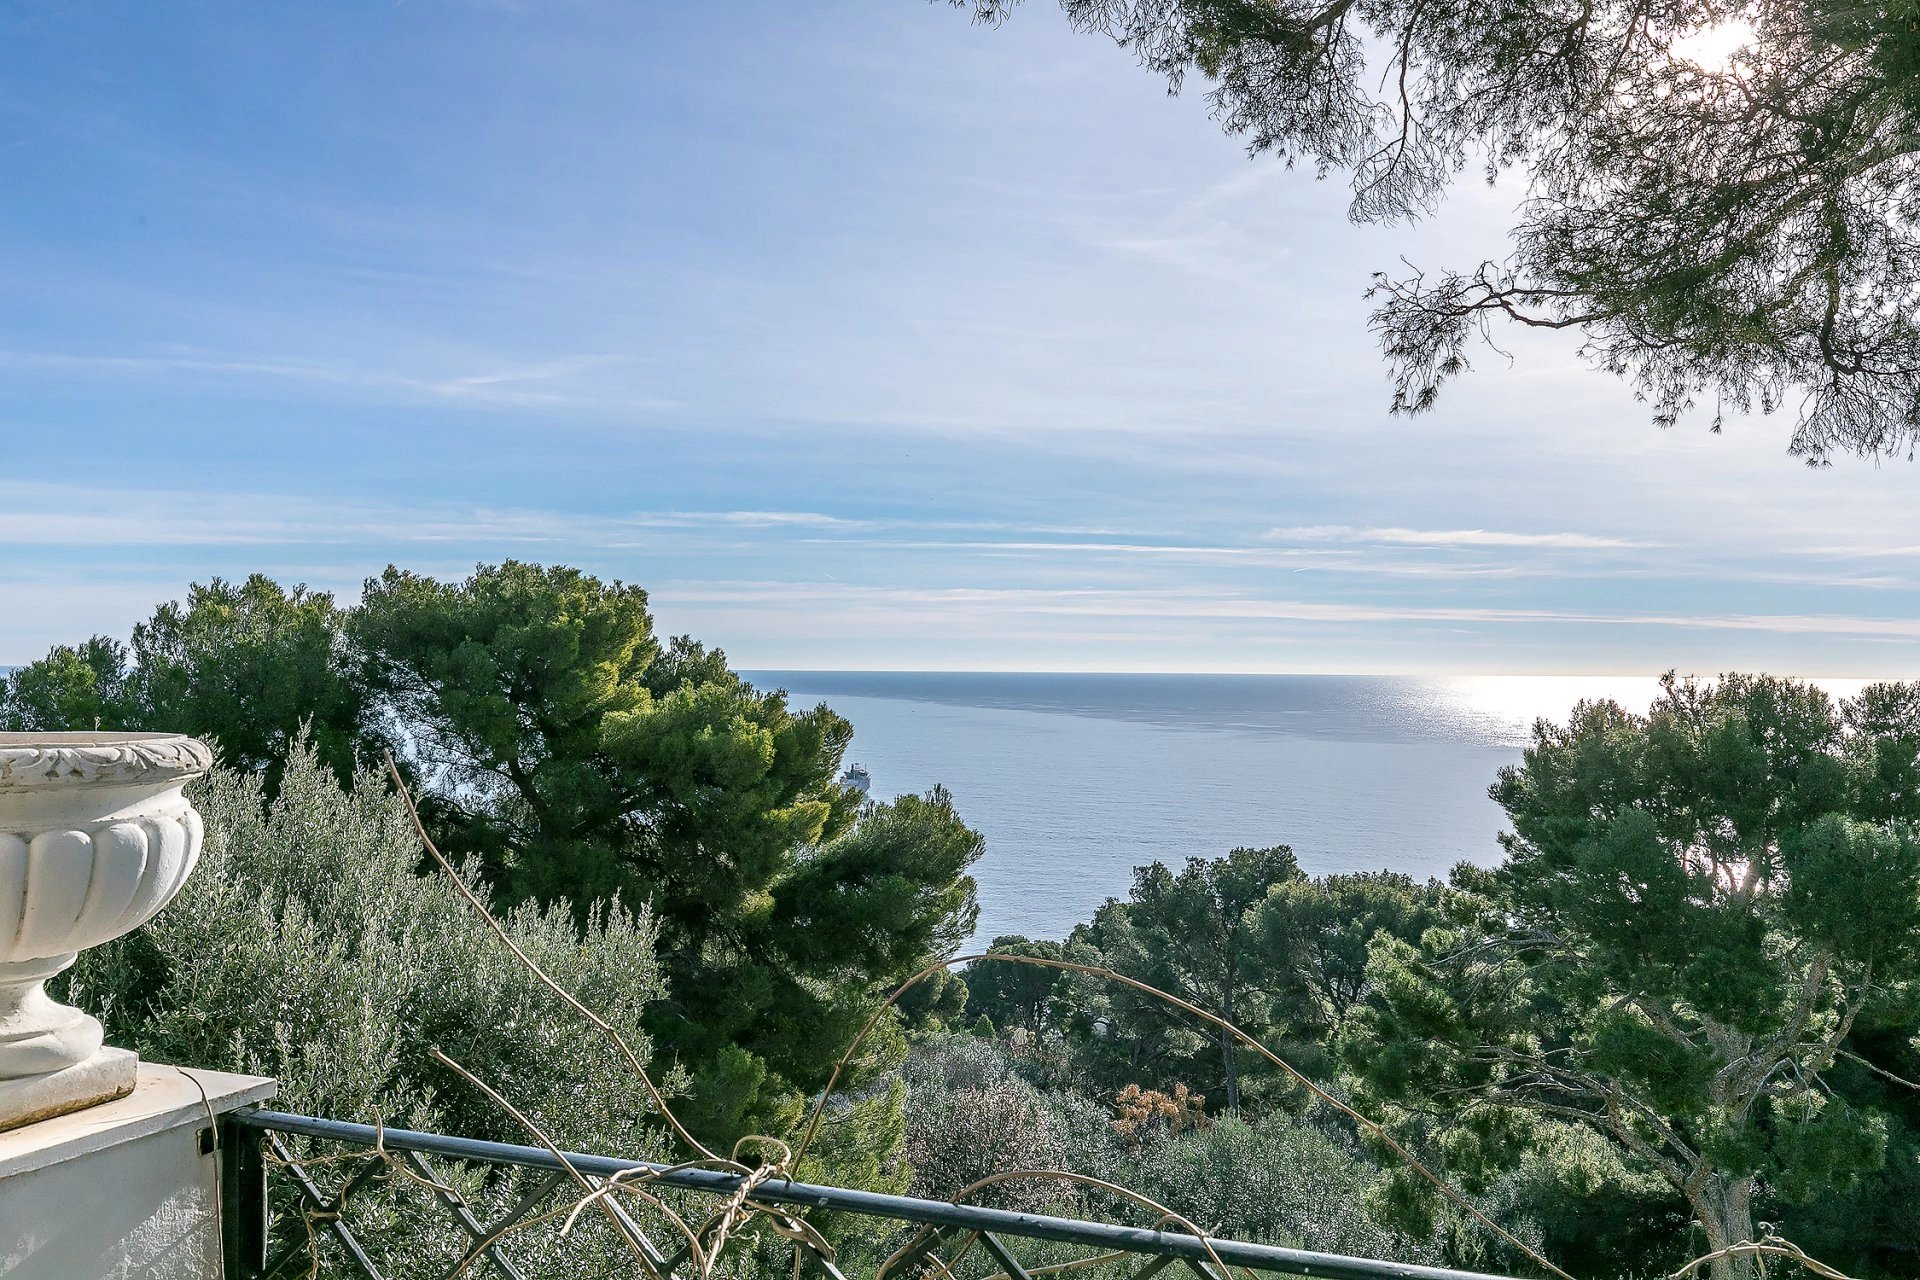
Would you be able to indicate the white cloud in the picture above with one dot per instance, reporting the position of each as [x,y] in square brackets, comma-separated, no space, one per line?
[34,514]
[1347,560]
[1198,604]
[1451,537]
[764,519]
[552,383]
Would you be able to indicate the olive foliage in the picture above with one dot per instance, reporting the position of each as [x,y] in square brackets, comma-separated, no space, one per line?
[308,946]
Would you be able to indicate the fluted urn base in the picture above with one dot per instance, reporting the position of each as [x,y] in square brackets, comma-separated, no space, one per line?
[38,1034]
[51,1060]
[108,1074]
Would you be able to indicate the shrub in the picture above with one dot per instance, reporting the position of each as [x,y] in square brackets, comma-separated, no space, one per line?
[970,1115]
[1275,1180]
[309,946]
[1141,1112]
[1272,1180]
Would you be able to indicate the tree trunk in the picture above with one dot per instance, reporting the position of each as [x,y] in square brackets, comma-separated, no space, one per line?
[1227,1043]
[1724,1206]
[1233,1075]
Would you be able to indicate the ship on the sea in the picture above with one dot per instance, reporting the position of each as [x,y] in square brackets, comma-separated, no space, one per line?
[857,777]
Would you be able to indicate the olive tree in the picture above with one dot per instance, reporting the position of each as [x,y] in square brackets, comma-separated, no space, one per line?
[309,946]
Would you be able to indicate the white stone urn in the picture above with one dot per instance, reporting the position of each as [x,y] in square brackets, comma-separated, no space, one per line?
[95,836]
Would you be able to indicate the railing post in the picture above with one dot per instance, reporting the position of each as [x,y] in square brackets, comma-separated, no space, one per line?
[243,1201]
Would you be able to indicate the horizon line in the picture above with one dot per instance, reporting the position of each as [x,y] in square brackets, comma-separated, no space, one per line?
[1397,674]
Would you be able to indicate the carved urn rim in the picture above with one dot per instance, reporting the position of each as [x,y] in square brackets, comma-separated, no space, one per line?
[37,761]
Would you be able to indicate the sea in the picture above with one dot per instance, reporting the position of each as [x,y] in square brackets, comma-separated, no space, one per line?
[1075,780]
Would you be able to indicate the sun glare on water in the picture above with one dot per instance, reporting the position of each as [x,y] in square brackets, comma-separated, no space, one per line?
[1510,704]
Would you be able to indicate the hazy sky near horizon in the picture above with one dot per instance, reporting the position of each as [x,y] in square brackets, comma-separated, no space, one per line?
[862,336]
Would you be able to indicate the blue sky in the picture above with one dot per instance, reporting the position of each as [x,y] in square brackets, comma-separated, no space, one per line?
[860,335]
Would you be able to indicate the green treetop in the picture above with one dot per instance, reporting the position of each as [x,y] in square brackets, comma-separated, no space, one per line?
[1016,995]
[1311,940]
[1189,933]
[579,757]
[1696,907]
[574,751]
[72,689]
[249,666]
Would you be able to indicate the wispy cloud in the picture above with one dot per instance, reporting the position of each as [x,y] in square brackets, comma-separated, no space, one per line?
[1353,560]
[1224,235]
[75,515]
[1203,605]
[1451,537]
[765,519]
[49,513]
[548,383]
[498,383]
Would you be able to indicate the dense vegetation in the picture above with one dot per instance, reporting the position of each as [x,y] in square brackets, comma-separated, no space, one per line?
[1679,1013]
[559,743]
[1689,993]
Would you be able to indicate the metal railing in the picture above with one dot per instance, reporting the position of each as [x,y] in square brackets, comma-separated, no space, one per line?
[255,1143]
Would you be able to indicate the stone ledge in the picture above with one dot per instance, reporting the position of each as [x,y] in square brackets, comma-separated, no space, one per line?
[163,1098]
[108,1074]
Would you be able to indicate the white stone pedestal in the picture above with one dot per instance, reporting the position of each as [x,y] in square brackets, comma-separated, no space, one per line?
[121,1190]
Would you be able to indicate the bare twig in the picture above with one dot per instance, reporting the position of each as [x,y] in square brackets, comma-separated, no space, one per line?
[473,899]
[540,1136]
[1882,1072]
[1766,1246]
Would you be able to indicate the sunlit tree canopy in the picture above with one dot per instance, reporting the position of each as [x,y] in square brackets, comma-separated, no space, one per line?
[1719,199]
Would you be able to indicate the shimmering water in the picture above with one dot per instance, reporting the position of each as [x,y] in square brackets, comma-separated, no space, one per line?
[1076,779]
